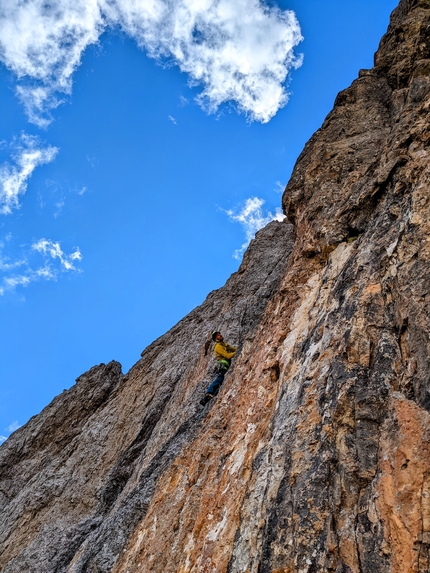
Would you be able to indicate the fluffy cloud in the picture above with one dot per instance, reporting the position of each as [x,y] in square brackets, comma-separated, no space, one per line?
[26,269]
[251,217]
[28,153]
[239,51]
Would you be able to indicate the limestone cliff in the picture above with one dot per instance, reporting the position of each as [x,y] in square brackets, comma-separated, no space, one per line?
[315,456]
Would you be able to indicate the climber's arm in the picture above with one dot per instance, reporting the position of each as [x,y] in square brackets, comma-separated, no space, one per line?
[224,353]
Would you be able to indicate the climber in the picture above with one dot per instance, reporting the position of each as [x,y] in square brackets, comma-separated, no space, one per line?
[223,353]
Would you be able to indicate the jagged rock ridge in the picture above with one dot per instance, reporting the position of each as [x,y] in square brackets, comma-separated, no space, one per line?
[315,455]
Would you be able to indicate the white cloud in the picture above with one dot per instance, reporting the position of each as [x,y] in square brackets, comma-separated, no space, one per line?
[59,207]
[13,426]
[251,217]
[92,160]
[7,265]
[10,283]
[279,187]
[54,250]
[239,51]
[172,119]
[26,269]
[28,153]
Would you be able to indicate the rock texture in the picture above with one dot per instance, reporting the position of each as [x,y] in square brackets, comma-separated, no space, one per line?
[315,456]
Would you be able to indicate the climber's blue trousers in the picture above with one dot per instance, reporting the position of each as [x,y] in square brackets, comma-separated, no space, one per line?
[216,384]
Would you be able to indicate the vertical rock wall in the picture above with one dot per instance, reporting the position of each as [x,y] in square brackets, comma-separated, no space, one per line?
[315,456]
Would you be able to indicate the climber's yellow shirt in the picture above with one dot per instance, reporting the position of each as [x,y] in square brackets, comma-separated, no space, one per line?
[224,351]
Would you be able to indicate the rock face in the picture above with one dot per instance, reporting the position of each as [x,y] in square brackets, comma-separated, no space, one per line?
[315,456]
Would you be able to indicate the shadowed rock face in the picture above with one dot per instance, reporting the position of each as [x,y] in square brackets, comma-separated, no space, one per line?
[315,456]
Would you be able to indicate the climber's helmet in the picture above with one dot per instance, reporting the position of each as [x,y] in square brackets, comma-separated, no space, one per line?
[215,335]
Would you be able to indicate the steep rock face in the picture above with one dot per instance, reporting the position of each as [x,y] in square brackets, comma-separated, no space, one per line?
[315,456]
[76,478]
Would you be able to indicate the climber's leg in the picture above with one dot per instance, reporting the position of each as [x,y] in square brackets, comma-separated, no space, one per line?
[216,384]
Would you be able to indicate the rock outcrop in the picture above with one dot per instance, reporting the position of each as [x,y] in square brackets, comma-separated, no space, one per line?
[315,456]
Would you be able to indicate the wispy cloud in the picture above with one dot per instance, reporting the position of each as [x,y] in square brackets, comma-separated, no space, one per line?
[7,265]
[27,269]
[59,207]
[13,426]
[279,187]
[55,193]
[239,51]
[172,119]
[53,250]
[92,160]
[27,153]
[252,218]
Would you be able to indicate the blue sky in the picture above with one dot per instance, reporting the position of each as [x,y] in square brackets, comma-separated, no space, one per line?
[122,205]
